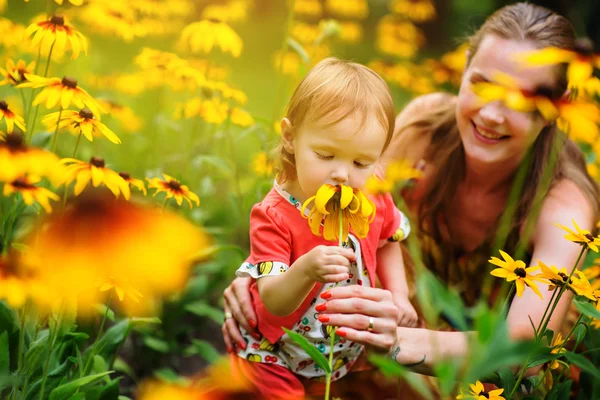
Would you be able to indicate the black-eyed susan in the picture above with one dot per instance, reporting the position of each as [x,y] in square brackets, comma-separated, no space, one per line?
[173,188]
[114,18]
[122,288]
[60,91]
[81,122]
[57,35]
[478,392]
[214,111]
[12,34]
[208,34]
[581,60]
[557,343]
[241,117]
[14,74]
[516,271]
[136,183]
[398,37]
[177,8]
[581,236]
[262,165]
[96,172]
[339,208]
[395,172]
[27,188]
[416,10]
[17,160]
[128,119]
[309,8]
[10,118]
[232,11]
[159,390]
[59,2]
[351,32]
[576,283]
[350,9]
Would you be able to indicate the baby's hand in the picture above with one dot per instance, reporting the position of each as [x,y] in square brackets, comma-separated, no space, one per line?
[327,263]
[407,316]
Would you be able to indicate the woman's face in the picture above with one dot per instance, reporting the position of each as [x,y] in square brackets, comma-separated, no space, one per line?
[493,133]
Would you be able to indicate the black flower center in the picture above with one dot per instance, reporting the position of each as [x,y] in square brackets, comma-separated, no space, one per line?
[520,272]
[215,21]
[484,394]
[207,92]
[565,277]
[584,46]
[69,82]
[545,91]
[589,237]
[3,105]
[125,175]
[97,162]
[174,185]
[21,183]
[57,20]
[86,113]
[15,141]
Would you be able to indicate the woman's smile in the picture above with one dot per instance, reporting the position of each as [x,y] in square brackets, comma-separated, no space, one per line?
[487,135]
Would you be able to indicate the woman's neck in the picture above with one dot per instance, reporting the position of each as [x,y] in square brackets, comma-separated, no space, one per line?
[489,178]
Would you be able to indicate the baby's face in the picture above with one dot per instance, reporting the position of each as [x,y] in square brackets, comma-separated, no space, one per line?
[337,154]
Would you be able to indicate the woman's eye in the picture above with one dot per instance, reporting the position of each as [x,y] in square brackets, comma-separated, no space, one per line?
[324,156]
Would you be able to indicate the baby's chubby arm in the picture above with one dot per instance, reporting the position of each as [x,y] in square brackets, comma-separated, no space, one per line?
[390,270]
[282,294]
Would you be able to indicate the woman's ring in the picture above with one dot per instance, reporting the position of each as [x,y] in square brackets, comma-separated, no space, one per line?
[370,328]
[228,315]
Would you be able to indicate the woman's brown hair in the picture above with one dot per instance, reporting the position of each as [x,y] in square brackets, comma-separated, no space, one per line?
[544,28]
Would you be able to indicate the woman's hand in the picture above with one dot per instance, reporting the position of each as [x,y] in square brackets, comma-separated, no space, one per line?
[363,314]
[238,310]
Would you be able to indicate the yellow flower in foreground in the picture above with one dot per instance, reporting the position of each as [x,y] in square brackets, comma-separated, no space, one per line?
[14,74]
[81,123]
[517,271]
[581,60]
[478,392]
[10,118]
[136,183]
[332,203]
[156,390]
[582,237]
[207,34]
[30,192]
[55,33]
[60,91]
[94,171]
[577,283]
[173,188]
[18,160]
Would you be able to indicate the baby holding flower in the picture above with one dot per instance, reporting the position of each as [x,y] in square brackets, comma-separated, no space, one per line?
[339,121]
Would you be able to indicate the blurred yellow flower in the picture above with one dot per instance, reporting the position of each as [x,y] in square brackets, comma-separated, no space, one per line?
[17,160]
[241,117]
[157,390]
[309,8]
[121,288]
[57,35]
[14,74]
[456,59]
[262,165]
[395,172]
[30,192]
[10,118]
[179,8]
[112,18]
[478,393]
[97,172]
[12,34]
[213,111]
[581,60]
[416,10]
[398,37]
[581,236]
[136,183]
[173,188]
[287,63]
[129,121]
[352,9]
[74,2]
[230,93]
[516,271]
[305,33]
[152,59]
[351,32]
[80,123]
[233,11]
[339,206]
[207,34]
[60,91]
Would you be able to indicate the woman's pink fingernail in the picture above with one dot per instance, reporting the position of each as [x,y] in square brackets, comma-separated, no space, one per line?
[340,332]
[321,307]
[326,295]
[252,323]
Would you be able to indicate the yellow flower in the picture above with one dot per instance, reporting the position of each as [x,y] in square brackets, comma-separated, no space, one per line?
[214,111]
[55,33]
[205,35]
[581,60]
[582,237]
[233,11]
[94,171]
[30,192]
[478,392]
[122,288]
[557,342]
[262,165]
[10,118]
[18,160]
[309,8]
[355,9]
[12,33]
[332,203]
[80,123]
[129,121]
[136,183]
[416,10]
[578,283]
[158,390]
[398,37]
[287,63]
[351,32]
[173,188]
[74,2]
[395,172]
[512,270]
[14,74]
[60,91]
[112,18]
[241,117]
[305,33]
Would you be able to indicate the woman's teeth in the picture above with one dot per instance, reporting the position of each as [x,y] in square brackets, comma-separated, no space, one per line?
[489,135]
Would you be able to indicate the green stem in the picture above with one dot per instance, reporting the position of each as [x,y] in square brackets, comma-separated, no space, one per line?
[35,114]
[53,335]
[56,131]
[22,316]
[505,306]
[554,293]
[25,108]
[93,350]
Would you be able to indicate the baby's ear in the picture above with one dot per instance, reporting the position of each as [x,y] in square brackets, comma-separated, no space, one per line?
[287,135]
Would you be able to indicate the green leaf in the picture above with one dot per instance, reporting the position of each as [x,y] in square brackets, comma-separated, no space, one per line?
[297,47]
[78,396]
[390,367]
[102,309]
[124,398]
[203,309]
[99,364]
[170,376]
[542,356]
[204,349]
[121,366]
[156,344]
[587,309]
[579,333]
[4,354]
[311,350]
[63,392]
[111,391]
[35,351]
[110,342]
[585,364]
[560,391]
[135,321]
[508,379]
[447,372]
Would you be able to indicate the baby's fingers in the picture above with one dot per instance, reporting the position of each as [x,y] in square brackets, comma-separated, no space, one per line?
[335,278]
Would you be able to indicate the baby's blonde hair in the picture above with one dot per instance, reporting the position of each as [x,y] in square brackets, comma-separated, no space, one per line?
[333,90]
